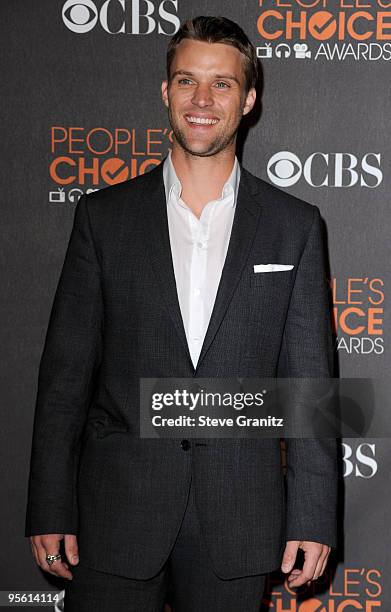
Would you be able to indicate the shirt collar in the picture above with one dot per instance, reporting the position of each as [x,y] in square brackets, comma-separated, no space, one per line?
[172,183]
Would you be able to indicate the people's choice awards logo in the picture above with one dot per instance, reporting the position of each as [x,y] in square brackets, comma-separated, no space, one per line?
[348,588]
[122,16]
[358,314]
[324,29]
[320,169]
[86,159]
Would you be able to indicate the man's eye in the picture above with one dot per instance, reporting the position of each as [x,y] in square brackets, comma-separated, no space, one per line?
[222,85]
[184,81]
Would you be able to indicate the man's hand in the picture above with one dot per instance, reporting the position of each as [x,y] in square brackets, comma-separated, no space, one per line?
[49,544]
[315,559]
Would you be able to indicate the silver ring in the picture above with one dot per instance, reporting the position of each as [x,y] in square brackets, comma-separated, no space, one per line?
[52,558]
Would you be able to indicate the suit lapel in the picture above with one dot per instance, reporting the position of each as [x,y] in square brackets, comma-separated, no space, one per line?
[157,240]
[244,228]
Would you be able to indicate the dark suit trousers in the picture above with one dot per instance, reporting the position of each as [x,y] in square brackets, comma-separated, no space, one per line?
[187,581]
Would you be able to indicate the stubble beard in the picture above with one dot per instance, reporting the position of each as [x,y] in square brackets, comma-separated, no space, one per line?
[221,142]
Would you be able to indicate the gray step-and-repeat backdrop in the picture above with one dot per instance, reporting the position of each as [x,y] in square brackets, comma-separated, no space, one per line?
[82,110]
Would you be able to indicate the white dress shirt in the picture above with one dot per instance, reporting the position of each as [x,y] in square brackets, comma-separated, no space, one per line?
[198,248]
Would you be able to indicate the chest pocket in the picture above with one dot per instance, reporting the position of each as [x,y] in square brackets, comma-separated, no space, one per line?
[279,280]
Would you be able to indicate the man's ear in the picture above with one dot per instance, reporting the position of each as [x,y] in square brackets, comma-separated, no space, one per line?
[250,101]
[164,92]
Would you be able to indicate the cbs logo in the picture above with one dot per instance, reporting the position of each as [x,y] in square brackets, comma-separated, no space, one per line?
[361,461]
[285,169]
[81,16]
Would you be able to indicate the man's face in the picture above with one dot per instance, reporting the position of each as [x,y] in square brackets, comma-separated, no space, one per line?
[206,96]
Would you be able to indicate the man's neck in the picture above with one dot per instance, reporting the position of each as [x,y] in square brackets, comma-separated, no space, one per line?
[202,178]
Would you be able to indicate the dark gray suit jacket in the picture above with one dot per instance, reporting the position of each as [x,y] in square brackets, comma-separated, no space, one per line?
[116,318]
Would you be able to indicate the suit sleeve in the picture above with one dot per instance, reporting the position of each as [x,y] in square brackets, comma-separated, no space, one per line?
[307,351]
[69,363]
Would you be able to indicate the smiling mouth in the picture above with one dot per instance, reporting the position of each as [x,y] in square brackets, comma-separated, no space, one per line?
[201,120]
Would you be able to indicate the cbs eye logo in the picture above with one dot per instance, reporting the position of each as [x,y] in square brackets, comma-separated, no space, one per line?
[284,169]
[319,169]
[80,17]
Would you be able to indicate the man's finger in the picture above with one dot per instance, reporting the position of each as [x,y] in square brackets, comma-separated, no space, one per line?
[34,551]
[312,552]
[321,562]
[290,554]
[325,560]
[49,546]
[41,554]
[71,548]
[318,567]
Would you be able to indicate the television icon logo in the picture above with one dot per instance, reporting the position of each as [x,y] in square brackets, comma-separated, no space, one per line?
[265,52]
[57,196]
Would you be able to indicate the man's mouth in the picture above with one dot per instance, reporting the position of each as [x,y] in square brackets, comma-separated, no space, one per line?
[201,120]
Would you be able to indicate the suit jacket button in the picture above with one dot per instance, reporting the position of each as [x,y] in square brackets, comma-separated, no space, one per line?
[185,444]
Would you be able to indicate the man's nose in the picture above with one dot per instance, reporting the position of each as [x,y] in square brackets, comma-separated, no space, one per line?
[202,96]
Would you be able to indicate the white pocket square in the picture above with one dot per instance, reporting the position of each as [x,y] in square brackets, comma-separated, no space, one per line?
[272,267]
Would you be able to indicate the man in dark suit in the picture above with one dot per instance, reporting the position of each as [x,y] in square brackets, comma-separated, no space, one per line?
[160,280]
